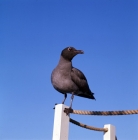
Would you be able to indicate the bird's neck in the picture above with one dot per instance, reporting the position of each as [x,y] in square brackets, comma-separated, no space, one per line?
[64,63]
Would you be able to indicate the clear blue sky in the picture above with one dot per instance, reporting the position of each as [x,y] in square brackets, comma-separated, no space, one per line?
[32,35]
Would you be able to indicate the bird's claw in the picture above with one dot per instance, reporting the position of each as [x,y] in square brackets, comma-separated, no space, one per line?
[55,105]
[68,111]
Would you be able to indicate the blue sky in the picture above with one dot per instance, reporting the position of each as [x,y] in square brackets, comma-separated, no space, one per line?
[32,35]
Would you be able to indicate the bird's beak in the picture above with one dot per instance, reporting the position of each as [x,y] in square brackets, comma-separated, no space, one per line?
[79,52]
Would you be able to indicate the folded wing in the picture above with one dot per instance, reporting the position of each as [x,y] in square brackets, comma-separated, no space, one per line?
[80,80]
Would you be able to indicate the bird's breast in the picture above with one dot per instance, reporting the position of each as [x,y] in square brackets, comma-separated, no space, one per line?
[62,81]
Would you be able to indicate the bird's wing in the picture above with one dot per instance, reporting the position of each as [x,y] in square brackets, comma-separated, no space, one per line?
[80,80]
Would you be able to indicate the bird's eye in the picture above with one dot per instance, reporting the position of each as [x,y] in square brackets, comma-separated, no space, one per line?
[69,48]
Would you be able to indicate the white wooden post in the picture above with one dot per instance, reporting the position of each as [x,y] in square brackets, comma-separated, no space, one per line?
[110,134]
[61,123]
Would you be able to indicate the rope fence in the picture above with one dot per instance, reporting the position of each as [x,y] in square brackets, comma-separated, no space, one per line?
[64,119]
[60,116]
[103,113]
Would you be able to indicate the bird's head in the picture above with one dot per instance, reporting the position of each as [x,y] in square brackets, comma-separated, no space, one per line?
[69,52]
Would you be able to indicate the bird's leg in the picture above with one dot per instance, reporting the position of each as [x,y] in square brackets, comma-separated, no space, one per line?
[72,96]
[69,110]
[65,96]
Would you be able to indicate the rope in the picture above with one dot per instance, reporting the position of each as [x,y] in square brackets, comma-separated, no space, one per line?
[104,113]
[88,127]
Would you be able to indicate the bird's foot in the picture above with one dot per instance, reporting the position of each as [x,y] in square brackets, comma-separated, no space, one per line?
[55,105]
[68,110]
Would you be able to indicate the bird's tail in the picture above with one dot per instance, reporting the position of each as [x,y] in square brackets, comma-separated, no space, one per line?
[89,95]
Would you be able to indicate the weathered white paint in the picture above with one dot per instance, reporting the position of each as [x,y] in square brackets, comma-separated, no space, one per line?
[61,123]
[110,134]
